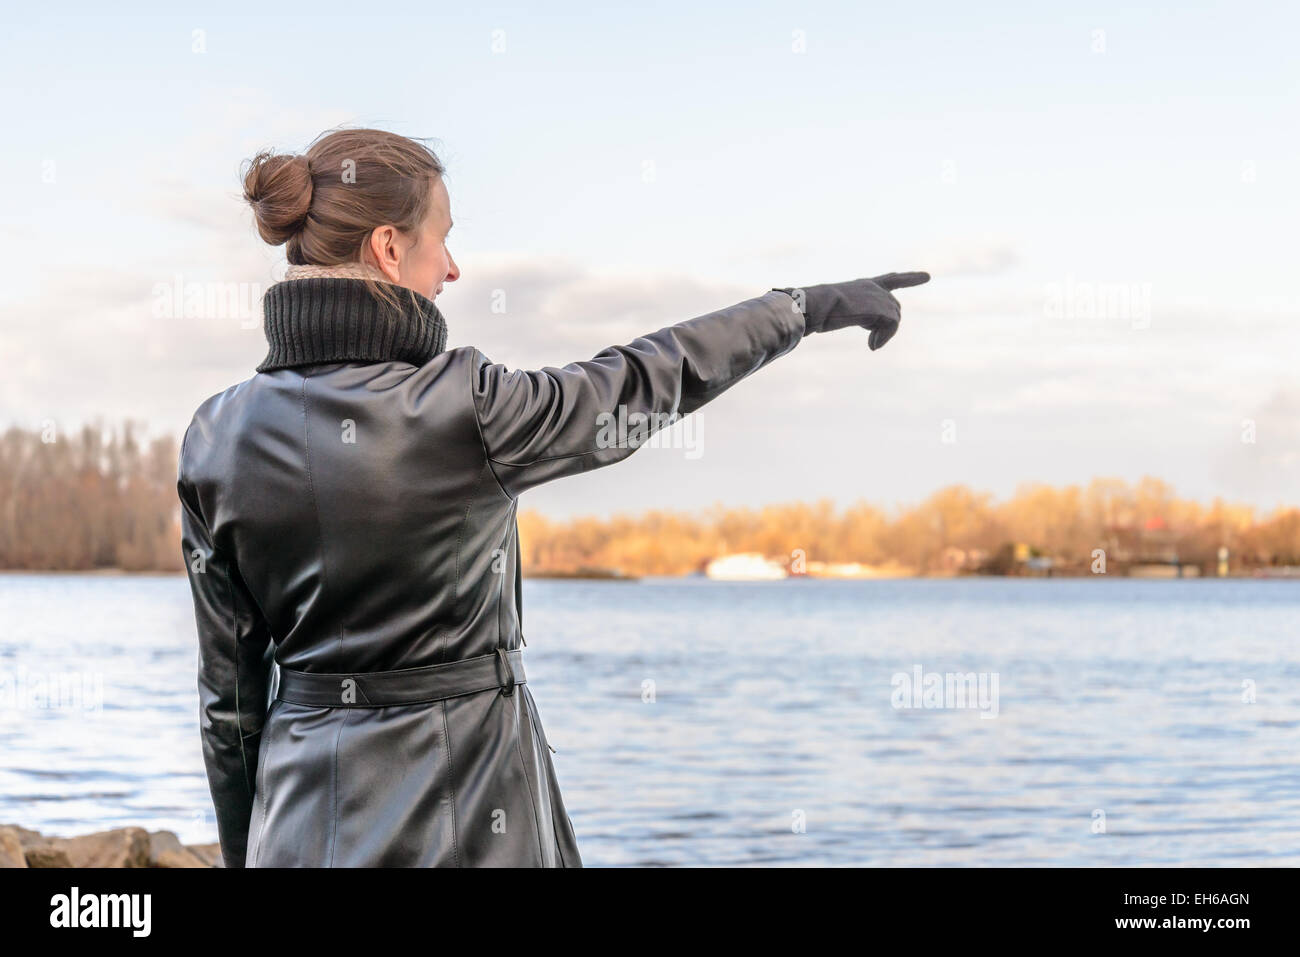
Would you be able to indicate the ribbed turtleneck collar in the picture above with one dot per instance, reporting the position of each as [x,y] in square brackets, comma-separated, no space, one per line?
[327,319]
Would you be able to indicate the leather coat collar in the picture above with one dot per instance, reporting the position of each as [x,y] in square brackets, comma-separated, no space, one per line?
[326,319]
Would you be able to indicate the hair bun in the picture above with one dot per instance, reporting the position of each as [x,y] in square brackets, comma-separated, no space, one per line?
[278,186]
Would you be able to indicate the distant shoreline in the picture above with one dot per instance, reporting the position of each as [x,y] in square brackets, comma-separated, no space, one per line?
[632,579]
[97,572]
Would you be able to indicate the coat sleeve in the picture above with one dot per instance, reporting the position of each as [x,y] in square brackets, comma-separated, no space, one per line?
[235,659]
[544,424]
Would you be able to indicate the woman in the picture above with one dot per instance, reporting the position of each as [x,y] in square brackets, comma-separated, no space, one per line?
[348,512]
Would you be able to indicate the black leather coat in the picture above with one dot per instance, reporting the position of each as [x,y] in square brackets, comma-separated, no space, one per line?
[350,509]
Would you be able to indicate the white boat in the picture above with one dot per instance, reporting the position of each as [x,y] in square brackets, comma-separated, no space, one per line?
[746,566]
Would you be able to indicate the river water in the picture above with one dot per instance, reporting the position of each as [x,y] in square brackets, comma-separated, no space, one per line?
[786,723]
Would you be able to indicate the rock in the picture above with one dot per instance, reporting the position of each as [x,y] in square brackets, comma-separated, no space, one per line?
[11,849]
[38,850]
[181,858]
[46,855]
[120,847]
[209,854]
[166,850]
[26,836]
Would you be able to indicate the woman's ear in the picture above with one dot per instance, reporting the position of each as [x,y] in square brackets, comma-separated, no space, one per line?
[385,251]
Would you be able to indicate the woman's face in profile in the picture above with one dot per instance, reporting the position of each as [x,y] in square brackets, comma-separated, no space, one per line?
[427,264]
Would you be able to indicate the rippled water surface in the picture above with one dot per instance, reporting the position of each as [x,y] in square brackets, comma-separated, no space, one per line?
[704,722]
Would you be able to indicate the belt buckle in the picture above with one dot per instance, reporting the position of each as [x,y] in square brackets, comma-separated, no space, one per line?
[508,686]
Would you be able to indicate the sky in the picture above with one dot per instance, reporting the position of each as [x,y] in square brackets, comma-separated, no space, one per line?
[1106,199]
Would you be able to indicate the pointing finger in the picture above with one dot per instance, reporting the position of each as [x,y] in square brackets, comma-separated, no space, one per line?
[901,280]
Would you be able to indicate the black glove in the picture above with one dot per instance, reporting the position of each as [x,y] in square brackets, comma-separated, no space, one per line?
[859,302]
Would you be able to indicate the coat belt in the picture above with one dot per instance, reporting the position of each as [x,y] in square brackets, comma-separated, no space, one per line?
[375,689]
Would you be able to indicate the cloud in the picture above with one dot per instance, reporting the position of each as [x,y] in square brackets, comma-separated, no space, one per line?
[967,257]
[556,311]
[1259,455]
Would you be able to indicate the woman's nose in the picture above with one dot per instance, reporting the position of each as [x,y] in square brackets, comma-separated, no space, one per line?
[453,271]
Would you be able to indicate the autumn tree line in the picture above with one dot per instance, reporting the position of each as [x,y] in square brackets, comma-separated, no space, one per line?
[89,500]
[954,530]
[106,499]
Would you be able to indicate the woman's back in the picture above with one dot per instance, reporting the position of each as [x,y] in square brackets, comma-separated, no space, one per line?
[359,505]
[342,518]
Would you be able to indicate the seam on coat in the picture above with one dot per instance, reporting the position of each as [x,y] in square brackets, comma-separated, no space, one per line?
[334,797]
[234,634]
[501,579]
[260,788]
[532,799]
[460,541]
[501,587]
[239,722]
[566,455]
[550,777]
[451,783]
[315,502]
[482,441]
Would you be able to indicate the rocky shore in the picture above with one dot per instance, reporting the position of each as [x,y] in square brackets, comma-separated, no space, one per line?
[120,847]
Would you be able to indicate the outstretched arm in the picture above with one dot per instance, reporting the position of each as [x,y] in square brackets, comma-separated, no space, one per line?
[544,424]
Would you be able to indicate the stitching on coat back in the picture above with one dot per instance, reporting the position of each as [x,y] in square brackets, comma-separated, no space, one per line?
[315,502]
[334,797]
[532,798]
[262,751]
[451,783]
[460,541]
